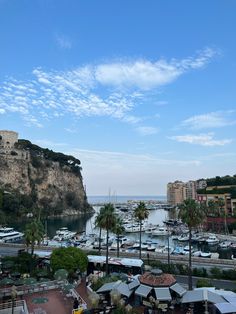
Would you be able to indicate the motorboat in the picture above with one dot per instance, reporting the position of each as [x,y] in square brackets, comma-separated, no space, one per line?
[196,237]
[186,250]
[212,240]
[160,231]
[150,228]
[132,228]
[64,234]
[202,254]
[10,235]
[183,237]
[225,244]
[178,250]
[151,247]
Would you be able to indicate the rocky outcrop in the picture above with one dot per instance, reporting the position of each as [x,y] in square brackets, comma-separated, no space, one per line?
[52,181]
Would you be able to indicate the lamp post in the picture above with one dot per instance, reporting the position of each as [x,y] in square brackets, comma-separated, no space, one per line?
[13,297]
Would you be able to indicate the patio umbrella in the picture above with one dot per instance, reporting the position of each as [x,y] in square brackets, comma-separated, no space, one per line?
[30,281]
[61,274]
[68,287]
[6,281]
[15,274]
[19,282]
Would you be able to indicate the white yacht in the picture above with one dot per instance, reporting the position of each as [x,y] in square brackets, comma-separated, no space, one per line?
[183,237]
[10,235]
[225,244]
[63,234]
[212,240]
[160,231]
[150,228]
[132,228]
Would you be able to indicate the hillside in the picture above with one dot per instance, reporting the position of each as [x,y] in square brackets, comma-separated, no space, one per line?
[36,179]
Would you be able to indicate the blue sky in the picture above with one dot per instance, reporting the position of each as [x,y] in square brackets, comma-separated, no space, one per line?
[143,92]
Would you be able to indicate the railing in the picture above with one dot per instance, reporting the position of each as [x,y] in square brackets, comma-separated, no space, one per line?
[18,305]
[21,290]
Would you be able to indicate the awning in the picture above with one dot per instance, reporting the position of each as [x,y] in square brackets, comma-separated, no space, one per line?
[202,295]
[134,284]
[108,287]
[229,298]
[123,288]
[226,307]
[163,294]
[178,289]
[143,291]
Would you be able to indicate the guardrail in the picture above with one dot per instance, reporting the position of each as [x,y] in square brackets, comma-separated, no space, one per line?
[19,304]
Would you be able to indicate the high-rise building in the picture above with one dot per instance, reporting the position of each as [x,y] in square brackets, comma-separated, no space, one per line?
[176,192]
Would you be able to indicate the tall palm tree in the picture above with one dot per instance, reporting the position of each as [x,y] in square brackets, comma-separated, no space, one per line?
[140,213]
[107,222]
[98,220]
[193,215]
[34,232]
[118,229]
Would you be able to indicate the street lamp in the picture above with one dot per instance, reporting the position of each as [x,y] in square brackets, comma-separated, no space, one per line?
[13,297]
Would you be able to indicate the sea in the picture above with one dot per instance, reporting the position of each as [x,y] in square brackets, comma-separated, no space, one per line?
[97,199]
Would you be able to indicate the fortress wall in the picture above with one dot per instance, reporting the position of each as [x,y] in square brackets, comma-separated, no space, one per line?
[8,139]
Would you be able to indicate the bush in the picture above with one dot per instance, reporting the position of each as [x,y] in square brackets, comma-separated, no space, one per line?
[203,283]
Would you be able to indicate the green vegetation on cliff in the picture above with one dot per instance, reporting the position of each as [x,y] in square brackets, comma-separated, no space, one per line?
[38,152]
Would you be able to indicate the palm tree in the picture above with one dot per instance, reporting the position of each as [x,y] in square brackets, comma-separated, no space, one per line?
[34,232]
[192,214]
[107,221]
[140,213]
[98,220]
[118,229]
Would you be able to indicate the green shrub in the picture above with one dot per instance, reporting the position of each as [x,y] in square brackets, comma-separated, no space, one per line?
[203,283]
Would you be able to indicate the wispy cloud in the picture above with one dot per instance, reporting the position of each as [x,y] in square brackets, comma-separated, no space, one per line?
[201,139]
[147,130]
[210,120]
[146,75]
[105,158]
[63,42]
[111,89]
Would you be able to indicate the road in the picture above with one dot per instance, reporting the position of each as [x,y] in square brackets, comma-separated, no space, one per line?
[219,284]
[12,249]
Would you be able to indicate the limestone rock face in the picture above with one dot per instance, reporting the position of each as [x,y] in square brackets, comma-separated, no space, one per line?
[51,179]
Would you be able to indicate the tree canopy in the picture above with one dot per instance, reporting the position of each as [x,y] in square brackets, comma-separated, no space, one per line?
[70,258]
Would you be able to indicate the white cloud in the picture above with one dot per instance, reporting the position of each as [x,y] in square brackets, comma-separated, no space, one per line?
[145,75]
[201,139]
[209,120]
[2,111]
[94,90]
[146,130]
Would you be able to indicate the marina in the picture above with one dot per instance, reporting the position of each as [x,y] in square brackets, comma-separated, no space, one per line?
[161,233]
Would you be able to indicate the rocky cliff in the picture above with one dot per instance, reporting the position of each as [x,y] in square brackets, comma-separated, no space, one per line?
[40,178]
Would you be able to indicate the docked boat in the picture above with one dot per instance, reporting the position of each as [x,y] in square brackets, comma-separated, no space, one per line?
[212,240]
[183,237]
[186,250]
[225,244]
[178,250]
[10,235]
[160,231]
[202,254]
[64,234]
[132,228]
[150,228]
[197,237]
